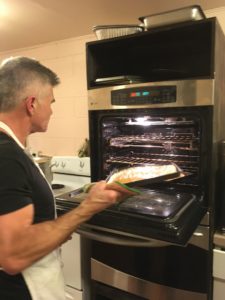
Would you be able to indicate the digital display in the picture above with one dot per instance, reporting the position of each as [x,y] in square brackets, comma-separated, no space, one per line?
[139,94]
[144,95]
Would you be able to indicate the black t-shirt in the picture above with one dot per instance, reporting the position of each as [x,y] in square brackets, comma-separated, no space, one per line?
[21,184]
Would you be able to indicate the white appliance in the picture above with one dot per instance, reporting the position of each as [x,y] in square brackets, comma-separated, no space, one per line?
[71,173]
[218,273]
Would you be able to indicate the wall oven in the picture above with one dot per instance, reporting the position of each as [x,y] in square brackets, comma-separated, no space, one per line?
[151,102]
[175,129]
[155,245]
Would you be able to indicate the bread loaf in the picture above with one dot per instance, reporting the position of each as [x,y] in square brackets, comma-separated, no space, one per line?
[142,172]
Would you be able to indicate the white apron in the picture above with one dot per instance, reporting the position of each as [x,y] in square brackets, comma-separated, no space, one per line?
[44,278]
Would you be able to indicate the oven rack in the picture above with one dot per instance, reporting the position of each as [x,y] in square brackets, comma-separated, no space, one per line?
[189,166]
[180,141]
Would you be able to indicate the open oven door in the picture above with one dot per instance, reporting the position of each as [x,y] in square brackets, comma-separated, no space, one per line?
[131,222]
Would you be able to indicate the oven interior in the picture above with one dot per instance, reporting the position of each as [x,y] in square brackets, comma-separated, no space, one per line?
[131,141]
[141,137]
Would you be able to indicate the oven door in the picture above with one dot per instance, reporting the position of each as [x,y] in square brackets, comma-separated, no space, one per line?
[128,221]
[118,227]
[165,273]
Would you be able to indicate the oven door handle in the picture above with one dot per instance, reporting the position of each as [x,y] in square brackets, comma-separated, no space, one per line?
[119,239]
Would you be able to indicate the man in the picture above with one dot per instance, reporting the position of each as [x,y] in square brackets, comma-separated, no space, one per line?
[29,232]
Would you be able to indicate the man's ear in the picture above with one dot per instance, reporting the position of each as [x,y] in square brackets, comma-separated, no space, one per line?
[30,103]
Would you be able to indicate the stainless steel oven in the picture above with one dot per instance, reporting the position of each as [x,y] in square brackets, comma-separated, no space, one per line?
[177,129]
[156,98]
[156,245]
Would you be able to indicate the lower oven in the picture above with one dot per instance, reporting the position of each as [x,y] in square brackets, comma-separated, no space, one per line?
[154,273]
[130,267]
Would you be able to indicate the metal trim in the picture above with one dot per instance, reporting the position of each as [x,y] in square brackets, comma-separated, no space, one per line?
[133,285]
[189,93]
[200,237]
[115,237]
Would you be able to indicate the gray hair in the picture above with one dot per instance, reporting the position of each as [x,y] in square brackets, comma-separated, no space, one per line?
[16,75]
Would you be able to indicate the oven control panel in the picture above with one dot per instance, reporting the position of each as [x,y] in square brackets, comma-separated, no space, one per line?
[144,95]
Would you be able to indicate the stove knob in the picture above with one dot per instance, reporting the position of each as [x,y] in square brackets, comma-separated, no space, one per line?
[55,164]
[63,164]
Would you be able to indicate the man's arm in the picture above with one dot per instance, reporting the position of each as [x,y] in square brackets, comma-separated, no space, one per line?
[22,243]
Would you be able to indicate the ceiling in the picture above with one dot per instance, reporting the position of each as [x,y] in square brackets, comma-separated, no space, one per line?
[25,23]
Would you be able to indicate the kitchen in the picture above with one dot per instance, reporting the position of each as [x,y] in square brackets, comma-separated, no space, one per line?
[67,58]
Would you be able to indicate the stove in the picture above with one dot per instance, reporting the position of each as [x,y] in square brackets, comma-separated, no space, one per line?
[69,174]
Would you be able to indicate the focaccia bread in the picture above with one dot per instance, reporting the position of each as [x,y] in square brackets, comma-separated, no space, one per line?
[142,172]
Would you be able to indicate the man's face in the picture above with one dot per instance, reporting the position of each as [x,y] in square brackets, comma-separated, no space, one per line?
[43,109]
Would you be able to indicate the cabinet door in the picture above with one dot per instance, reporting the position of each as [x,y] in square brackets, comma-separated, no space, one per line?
[71,258]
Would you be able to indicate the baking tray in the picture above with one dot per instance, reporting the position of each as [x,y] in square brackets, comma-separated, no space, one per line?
[189,13]
[146,180]
[132,187]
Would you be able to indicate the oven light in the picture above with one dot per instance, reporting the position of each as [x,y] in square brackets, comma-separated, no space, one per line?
[143,121]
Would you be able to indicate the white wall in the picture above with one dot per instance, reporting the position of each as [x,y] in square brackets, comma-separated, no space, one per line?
[69,124]
[219,13]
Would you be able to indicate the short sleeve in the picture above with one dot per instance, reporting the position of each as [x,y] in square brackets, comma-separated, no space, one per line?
[15,190]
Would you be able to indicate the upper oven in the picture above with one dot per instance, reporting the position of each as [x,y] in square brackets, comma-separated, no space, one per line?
[152,103]
[153,124]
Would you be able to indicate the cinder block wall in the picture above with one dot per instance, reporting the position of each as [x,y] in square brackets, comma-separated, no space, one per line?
[68,126]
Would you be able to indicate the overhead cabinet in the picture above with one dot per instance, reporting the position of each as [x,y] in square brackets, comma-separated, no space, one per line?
[174,52]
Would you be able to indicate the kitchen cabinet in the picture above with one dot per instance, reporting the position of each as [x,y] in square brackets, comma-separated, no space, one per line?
[183,50]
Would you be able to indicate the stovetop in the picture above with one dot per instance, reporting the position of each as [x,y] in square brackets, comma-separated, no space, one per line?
[60,189]
[69,173]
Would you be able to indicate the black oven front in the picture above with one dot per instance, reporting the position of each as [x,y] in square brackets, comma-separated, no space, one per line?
[157,245]
[170,272]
